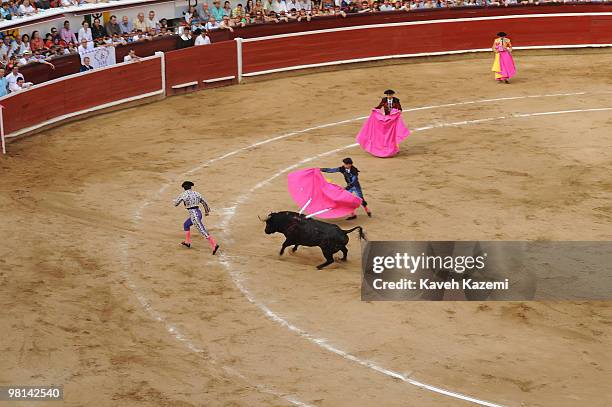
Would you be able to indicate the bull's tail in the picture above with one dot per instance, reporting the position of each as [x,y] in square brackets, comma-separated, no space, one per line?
[361,234]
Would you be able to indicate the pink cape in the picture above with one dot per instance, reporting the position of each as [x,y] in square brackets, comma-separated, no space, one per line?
[310,183]
[380,135]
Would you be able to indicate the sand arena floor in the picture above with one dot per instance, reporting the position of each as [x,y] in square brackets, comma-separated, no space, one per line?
[97,294]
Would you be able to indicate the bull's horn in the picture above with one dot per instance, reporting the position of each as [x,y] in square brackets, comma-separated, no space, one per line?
[259,217]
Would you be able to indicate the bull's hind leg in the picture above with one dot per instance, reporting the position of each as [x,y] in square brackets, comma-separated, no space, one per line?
[295,248]
[329,257]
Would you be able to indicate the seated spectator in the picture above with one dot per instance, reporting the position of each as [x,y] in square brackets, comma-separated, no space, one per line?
[19,85]
[26,8]
[85,46]
[227,9]
[98,30]
[386,6]
[238,21]
[204,12]
[70,49]
[302,16]
[238,11]
[43,4]
[24,44]
[39,58]
[271,17]
[305,5]
[112,27]
[291,4]
[259,17]
[67,34]
[257,7]
[3,83]
[6,49]
[85,32]
[365,7]
[279,6]
[86,65]
[140,23]
[152,22]
[217,11]
[248,7]
[163,31]
[201,38]
[36,42]
[131,57]
[212,24]
[118,40]
[125,25]
[191,16]
[12,77]
[5,11]
[139,36]
[225,24]
[185,39]
[69,3]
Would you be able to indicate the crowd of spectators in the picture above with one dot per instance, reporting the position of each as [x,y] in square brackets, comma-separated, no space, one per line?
[17,51]
[193,29]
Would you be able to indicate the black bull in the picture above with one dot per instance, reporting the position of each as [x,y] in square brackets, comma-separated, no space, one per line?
[300,231]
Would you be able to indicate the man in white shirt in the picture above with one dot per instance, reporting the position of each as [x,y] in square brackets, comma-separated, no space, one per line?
[151,22]
[85,32]
[291,5]
[212,24]
[387,6]
[202,39]
[279,6]
[26,8]
[13,76]
[85,46]
[131,57]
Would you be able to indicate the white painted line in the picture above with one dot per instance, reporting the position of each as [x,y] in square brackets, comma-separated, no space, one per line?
[223,78]
[229,213]
[185,85]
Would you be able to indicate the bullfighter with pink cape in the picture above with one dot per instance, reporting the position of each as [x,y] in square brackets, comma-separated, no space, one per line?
[503,65]
[317,197]
[381,134]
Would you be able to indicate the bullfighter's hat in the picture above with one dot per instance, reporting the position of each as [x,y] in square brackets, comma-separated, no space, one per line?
[502,34]
[389,92]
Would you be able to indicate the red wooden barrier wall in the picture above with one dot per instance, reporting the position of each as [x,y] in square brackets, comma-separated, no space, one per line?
[197,64]
[80,92]
[317,48]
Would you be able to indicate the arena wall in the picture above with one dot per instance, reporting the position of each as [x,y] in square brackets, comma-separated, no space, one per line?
[227,61]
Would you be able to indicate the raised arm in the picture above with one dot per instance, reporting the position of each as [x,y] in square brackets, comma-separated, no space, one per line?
[330,169]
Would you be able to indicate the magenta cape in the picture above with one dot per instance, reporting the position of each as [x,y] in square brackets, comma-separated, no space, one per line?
[380,135]
[310,183]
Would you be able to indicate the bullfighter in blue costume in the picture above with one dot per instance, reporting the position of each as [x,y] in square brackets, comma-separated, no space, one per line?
[351,176]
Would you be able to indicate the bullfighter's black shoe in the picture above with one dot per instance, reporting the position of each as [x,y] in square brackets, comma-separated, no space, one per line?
[352,217]
[215,249]
[369,214]
[187,245]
